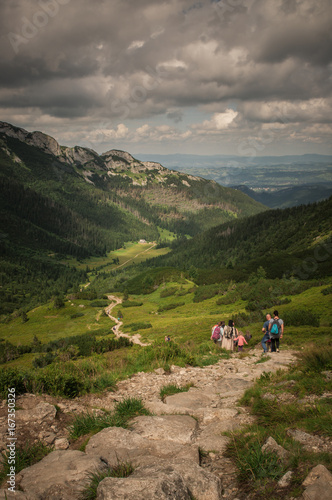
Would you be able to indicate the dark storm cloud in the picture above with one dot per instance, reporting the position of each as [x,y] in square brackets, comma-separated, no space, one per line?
[133,60]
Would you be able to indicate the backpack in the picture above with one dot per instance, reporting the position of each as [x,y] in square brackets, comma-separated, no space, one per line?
[274,332]
[216,333]
[229,332]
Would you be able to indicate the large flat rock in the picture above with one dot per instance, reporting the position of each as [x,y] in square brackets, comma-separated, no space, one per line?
[210,439]
[14,495]
[167,485]
[318,484]
[158,408]
[227,387]
[116,444]
[209,415]
[61,475]
[43,411]
[193,400]
[176,480]
[177,428]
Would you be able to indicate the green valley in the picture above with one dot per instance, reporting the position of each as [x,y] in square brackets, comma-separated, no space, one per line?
[105,257]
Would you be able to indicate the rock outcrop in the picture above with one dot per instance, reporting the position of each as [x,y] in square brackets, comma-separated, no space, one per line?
[165,449]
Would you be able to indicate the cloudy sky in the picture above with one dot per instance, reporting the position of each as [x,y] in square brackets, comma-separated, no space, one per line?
[245,77]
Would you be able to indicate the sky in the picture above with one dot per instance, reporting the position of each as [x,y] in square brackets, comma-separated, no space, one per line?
[242,77]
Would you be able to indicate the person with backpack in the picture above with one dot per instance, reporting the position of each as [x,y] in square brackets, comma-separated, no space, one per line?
[265,329]
[216,333]
[276,331]
[230,332]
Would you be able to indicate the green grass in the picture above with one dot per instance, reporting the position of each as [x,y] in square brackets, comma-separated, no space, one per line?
[88,423]
[189,327]
[260,471]
[170,389]
[52,324]
[25,456]
[123,469]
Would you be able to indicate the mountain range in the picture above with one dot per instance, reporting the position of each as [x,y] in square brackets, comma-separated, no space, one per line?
[275,181]
[59,201]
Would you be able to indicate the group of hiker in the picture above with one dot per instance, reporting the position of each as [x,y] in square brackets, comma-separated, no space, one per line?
[228,337]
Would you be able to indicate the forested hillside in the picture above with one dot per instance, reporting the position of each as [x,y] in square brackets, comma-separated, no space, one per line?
[292,241]
[58,202]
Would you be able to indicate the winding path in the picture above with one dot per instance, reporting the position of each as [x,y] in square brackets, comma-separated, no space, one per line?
[118,333]
[137,255]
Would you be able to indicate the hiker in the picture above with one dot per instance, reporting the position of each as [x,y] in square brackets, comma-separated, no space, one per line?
[216,334]
[276,330]
[265,330]
[167,338]
[240,341]
[228,338]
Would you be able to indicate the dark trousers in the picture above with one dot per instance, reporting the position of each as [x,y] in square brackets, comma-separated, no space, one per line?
[274,344]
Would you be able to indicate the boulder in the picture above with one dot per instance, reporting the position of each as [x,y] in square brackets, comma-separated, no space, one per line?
[309,442]
[273,447]
[286,479]
[231,386]
[209,415]
[158,408]
[43,411]
[177,428]
[116,444]
[61,444]
[318,484]
[192,400]
[165,480]
[60,471]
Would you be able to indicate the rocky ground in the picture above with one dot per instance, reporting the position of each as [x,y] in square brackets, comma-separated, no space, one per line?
[164,448]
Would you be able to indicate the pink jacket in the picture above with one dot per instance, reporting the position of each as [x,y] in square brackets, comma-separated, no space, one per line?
[241,340]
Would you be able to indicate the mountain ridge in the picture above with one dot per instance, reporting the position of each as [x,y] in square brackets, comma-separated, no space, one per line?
[60,203]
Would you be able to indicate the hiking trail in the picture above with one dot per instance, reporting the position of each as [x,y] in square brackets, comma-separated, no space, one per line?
[118,333]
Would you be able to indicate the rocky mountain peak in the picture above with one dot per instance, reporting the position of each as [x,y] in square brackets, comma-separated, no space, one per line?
[37,139]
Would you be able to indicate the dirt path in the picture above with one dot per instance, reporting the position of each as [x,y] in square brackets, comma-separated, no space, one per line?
[139,253]
[118,333]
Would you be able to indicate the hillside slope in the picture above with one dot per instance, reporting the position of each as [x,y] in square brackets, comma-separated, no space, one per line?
[179,202]
[291,241]
[58,201]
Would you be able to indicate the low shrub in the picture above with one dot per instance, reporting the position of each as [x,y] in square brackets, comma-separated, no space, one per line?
[44,360]
[76,315]
[168,292]
[131,303]
[171,306]
[206,292]
[138,326]
[229,298]
[57,383]
[99,303]
[327,291]
[301,317]
[243,319]
[316,359]
[14,377]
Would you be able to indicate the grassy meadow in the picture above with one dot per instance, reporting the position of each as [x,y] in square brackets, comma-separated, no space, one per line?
[130,253]
[77,338]
[176,308]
